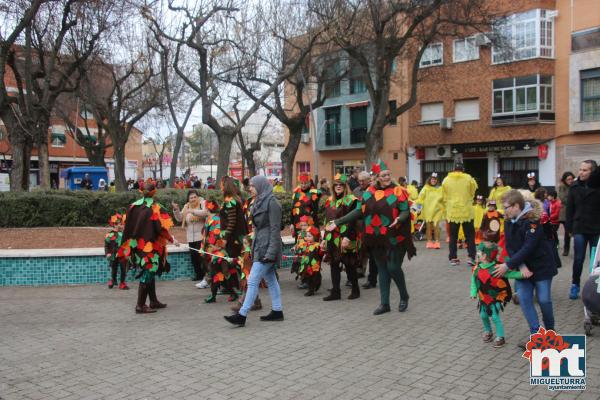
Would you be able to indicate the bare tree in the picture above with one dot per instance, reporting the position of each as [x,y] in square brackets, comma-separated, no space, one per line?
[375,34]
[55,44]
[207,34]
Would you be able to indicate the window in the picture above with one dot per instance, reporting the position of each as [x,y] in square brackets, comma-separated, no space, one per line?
[393,105]
[433,55]
[442,167]
[86,113]
[466,110]
[523,36]
[465,50]
[357,84]
[432,112]
[303,167]
[590,95]
[358,125]
[347,166]
[525,98]
[588,39]
[514,170]
[58,139]
[333,133]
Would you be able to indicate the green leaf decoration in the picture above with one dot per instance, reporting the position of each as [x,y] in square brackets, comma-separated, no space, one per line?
[133,243]
[344,228]
[313,262]
[385,221]
[336,241]
[149,201]
[368,219]
[391,199]
[366,196]
[328,237]
[139,202]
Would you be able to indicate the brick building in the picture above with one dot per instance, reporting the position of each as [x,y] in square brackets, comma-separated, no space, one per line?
[511,111]
[64,152]
[533,106]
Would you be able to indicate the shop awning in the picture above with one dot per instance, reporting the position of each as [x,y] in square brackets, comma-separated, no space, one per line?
[358,104]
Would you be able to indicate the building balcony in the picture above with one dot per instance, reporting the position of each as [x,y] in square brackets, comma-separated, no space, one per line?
[342,139]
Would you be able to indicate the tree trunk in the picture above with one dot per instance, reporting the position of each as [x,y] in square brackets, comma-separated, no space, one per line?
[21,155]
[289,154]
[160,170]
[225,141]
[375,141]
[249,158]
[96,155]
[178,141]
[119,156]
[44,164]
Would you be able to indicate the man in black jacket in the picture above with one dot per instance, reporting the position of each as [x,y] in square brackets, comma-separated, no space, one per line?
[583,217]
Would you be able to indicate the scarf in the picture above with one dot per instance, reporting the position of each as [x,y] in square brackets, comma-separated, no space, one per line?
[264,193]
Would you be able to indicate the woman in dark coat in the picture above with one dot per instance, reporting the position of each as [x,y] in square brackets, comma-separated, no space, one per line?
[526,244]
[563,194]
[266,251]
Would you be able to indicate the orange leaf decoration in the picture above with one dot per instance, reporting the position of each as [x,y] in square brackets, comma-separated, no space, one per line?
[148,247]
[379,194]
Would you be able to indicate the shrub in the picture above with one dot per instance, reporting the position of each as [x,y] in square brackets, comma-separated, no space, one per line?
[86,208]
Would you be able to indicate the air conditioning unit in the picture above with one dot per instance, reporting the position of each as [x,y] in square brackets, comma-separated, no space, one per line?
[481,39]
[305,138]
[446,123]
[443,152]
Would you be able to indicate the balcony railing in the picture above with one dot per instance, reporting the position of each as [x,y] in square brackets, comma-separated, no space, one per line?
[358,135]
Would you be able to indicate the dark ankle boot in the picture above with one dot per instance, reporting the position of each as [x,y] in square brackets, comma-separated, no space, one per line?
[236,319]
[154,303]
[334,295]
[273,316]
[355,294]
[403,305]
[383,308]
[141,307]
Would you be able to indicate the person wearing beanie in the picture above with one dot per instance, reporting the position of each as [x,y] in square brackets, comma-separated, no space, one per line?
[341,243]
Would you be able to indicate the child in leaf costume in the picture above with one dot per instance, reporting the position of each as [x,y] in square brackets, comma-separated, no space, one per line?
[244,262]
[145,238]
[112,243]
[492,223]
[493,293]
[341,243]
[305,201]
[310,263]
[304,223]
[220,267]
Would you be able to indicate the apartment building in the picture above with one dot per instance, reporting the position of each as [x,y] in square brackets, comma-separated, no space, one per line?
[529,104]
[532,106]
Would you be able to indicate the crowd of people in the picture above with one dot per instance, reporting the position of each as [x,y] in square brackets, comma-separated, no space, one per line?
[364,225]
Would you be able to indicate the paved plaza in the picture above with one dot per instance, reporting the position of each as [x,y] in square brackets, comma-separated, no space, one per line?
[85,342]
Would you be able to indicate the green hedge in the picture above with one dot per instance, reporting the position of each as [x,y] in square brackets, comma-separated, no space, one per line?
[85,208]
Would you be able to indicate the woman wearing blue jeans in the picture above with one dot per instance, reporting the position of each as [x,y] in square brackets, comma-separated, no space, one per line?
[266,251]
[527,245]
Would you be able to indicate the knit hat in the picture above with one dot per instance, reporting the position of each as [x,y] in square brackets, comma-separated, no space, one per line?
[314,231]
[148,188]
[307,218]
[490,249]
[212,206]
[340,178]
[376,168]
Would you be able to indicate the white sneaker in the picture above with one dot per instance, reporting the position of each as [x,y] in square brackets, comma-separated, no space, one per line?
[202,285]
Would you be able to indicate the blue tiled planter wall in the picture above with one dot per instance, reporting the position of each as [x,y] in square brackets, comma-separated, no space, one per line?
[79,270]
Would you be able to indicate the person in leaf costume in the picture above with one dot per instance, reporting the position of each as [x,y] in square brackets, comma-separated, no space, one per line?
[310,264]
[145,238]
[385,211]
[493,293]
[219,268]
[233,229]
[245,265]
[305,201]
[305,222]
[341,243]
[112,243]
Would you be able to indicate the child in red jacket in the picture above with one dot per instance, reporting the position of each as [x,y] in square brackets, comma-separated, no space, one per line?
[555,206]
